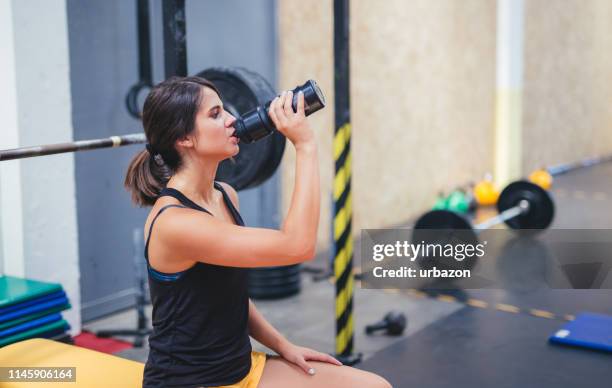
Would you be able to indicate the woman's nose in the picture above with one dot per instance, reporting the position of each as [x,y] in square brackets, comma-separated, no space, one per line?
[229,120]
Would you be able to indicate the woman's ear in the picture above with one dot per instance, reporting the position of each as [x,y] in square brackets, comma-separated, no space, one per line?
[185,142]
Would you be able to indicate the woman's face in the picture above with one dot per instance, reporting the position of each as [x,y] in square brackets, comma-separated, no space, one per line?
[212,136]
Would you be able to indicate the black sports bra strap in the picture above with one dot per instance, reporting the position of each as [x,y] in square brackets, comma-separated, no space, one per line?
[151,227]
[171,192]
[237,218]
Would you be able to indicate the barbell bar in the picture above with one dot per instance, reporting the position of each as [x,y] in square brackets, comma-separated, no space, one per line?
[80,145]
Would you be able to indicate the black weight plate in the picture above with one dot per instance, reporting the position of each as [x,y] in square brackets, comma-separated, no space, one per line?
[442,219]
[274,281]
[541,207]
[274,292]
[444,227]
[272,277]
[243,90]
[274,272]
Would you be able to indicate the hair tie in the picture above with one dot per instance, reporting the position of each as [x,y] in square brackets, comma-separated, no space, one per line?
[155,155]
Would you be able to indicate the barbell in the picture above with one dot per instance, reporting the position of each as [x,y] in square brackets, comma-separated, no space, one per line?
[522,205]
[73,146]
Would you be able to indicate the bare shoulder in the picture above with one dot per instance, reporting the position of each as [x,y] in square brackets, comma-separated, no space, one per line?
[232,194]
[156,208]
[177,219]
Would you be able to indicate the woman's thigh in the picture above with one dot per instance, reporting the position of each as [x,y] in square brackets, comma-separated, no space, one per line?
[279,373]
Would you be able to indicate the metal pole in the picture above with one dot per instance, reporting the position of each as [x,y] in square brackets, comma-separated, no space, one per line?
[342,222]
[588,162]
[515,211]
[81,145]
[145,72]
[144,43]
[175,38]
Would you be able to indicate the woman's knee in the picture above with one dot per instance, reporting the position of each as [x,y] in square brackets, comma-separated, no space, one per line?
[367,379]
[377,381]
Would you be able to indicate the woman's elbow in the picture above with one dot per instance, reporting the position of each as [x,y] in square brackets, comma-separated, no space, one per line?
[309,253]
[303,251]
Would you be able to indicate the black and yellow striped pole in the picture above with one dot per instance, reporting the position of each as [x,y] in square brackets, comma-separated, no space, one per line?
[343,239]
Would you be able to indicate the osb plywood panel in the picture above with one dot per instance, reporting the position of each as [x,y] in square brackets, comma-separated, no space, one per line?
[567,109]
[422,99]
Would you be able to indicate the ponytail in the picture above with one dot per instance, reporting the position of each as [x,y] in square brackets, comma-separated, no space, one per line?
[145,178]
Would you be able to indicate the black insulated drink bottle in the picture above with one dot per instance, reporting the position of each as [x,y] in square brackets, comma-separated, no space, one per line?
[256,123]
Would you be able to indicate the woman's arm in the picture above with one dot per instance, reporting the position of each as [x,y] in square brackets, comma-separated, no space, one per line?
[263,332]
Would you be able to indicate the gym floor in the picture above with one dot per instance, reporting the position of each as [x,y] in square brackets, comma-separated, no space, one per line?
[484,337]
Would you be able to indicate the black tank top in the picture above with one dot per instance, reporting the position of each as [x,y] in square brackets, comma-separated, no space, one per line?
[200,319]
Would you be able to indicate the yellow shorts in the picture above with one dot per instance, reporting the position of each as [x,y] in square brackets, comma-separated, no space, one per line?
[258,361]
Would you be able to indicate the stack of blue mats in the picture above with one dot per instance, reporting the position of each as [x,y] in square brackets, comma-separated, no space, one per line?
[30,308]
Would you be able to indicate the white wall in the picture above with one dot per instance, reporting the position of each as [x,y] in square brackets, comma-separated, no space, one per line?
[10,178]
[37,196]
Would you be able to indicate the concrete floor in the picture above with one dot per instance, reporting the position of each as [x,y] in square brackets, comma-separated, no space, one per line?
[583,199]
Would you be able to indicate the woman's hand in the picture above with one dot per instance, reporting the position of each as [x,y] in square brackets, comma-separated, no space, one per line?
[291,124]
[300,356]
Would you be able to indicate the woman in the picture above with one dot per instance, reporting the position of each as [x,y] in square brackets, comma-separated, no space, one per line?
[198,249]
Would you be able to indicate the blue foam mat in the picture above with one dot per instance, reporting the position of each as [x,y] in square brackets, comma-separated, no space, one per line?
[30,325]
[588,330]
[34,309]
[32,302]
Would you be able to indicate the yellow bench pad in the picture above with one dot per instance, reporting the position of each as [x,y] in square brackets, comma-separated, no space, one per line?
[93,369]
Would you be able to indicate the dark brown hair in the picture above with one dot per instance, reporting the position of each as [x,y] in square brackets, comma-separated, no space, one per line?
[168,115]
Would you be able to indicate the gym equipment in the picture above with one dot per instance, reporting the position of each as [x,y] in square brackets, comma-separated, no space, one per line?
[274,282]
[458,201]
[485,193]
[15,290]
[440,203]
[80,145]
[560,169]
[393,324]
[521,205]
[144,61]
[541,178]
[36,315]
[55,303]
[588,330]
[175,38]
[256,124]
[31,301]
[242,91]
[93,369]
[31,324]
[30,308]
[45,331]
